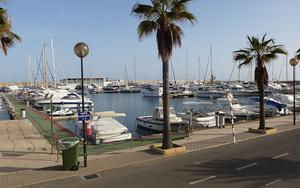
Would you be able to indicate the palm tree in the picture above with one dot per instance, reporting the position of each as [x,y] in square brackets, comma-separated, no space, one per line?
[7,37]
[259,52]
[162,18]
[298,54]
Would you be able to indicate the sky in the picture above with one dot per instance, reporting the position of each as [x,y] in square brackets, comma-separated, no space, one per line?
[111,34]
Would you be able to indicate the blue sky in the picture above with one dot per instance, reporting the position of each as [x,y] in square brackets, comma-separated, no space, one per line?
[110,31]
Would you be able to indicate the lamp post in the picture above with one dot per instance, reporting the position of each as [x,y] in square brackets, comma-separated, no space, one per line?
[294,62]
[82,50]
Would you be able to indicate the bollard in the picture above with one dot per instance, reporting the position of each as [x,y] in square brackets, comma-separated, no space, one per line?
[23,113]
[217,119]
[222,119]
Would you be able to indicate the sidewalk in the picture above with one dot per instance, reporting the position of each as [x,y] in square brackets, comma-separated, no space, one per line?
[199,140]
[22,147]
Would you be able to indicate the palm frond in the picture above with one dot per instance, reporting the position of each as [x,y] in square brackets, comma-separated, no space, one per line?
[146,28]
[143,11]
[176,34]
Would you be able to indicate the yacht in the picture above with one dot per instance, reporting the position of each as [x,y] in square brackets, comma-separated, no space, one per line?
[154,122]
[152,91]
[63,98]
[202,114]
[289,101]
[61,112]
[272,107]
[239,111]
[104,128]
[210,93]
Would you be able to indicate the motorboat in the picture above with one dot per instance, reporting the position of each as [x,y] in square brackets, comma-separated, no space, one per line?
[105,128]
[272,106]
[210,93]
[239,111]
[154,122]
[289,101]
[61,112]
[201,113]
[152,91]
[63,98]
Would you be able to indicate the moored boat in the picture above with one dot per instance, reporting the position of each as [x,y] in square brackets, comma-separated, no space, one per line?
[154,122]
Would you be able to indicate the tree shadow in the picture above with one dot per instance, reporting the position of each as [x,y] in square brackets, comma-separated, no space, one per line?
[266,170]
[12,169]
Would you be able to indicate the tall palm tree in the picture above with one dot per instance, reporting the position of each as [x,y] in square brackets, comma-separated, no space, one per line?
[162,17]
[259,52]
[7,37]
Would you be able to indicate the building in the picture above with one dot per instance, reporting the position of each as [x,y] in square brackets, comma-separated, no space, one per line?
[86,81]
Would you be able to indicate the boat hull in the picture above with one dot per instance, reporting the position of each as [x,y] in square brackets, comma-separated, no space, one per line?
[149,124]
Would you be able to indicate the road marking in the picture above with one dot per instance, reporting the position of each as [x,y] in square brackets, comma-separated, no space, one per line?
[247,166]
[202,180]
[282,155]
[274,182]
[201,162]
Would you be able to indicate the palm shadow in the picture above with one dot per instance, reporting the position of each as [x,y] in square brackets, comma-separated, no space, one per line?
[266,170]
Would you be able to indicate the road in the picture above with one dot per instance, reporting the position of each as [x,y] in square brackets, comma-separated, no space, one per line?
[272,161]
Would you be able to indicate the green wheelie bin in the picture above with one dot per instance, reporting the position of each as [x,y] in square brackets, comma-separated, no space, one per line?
[69,147]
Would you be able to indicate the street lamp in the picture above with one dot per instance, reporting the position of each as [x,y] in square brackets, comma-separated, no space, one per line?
[294,62]
[82,50]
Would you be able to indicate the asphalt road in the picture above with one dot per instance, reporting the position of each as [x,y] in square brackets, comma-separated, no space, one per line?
[272,161]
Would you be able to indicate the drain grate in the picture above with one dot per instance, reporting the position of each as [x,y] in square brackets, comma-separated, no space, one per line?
[91,176]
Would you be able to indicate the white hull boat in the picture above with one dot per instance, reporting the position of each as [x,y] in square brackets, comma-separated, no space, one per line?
[154,123]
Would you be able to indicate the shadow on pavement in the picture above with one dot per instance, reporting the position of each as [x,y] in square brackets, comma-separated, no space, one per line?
[266,170]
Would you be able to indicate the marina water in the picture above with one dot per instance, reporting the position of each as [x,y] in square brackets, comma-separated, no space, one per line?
[133,104]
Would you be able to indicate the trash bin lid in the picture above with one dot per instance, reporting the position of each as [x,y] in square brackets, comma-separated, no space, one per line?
[68,142]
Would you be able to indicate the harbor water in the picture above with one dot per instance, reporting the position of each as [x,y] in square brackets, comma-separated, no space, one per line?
[133,104]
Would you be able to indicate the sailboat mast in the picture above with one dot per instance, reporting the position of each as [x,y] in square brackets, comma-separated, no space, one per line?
[134,67]
[29,70]
[126,77]
[45,65]
[286,68]
[211,61]
[187,67]
[199,69]
[53,62]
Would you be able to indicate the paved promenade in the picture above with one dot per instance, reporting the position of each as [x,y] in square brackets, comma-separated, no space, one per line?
[199,140]
[22,147]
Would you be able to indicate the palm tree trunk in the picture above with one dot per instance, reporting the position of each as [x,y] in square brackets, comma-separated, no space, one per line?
[260,76]
[261,108]
[166,142]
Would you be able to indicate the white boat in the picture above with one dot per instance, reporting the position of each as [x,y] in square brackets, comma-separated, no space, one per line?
[272,106]
[105,128]
[210,93]
[64,99]
[239,111]
[61,112]
[289,101]
[152,91]
[202,114]
[154,122]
